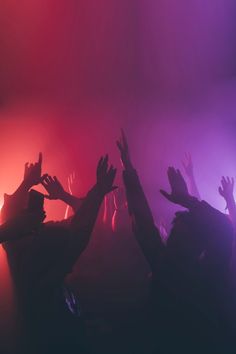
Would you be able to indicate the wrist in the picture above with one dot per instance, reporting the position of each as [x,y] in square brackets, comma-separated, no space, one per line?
[63,195]
[189,201]
[26,185]
[100,190]
[230,201]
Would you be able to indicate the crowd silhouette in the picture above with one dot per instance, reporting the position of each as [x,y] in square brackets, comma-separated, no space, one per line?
[149,291]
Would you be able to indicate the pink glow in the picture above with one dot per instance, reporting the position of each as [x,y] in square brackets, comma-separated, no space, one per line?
[73,72]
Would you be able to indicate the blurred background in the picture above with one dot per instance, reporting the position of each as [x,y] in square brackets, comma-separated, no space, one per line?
[73,72]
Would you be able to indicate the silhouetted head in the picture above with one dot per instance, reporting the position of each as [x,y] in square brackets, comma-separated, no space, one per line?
[192,236]
[36,205]
[35,201]
[186,241]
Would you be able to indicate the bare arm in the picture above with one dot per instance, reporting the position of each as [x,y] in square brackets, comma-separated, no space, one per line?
[144,228]
[83,222]
[56,191]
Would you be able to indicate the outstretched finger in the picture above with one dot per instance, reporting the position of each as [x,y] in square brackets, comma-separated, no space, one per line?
[166,195]
[55,179]
[220,191]
[119,145]
[105,163]
[124,139]
[232,181]
[223,181]
[43,178]
[112,173]
[106,159]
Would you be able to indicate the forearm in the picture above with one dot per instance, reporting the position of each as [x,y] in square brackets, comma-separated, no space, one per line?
[137,201]
[71,200]
[144,227]
[232,214]
[82,224]
[232,210]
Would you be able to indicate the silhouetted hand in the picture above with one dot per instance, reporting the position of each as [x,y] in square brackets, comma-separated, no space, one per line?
[53,187]
[188,165]
[32,173]
[122,145]
[179,191]
[226,189]
[105,176]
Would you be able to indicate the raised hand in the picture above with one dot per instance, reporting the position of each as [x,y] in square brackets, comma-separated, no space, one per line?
[32,173]
[226,189]
[105,176]
[188,164]
[53,187]
[179,191]
[122,145]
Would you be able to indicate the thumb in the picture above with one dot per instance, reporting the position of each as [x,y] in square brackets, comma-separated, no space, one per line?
[47,196]
[42,178]
[166,195]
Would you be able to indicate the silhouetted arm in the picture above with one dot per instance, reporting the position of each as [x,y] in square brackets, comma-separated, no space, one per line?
[144,228]
[73,203]
[56,192]
[214,228]
[76,236]
[83,222]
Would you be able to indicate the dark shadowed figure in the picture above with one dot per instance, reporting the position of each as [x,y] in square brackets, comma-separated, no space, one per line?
[190,274]
[45,256]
